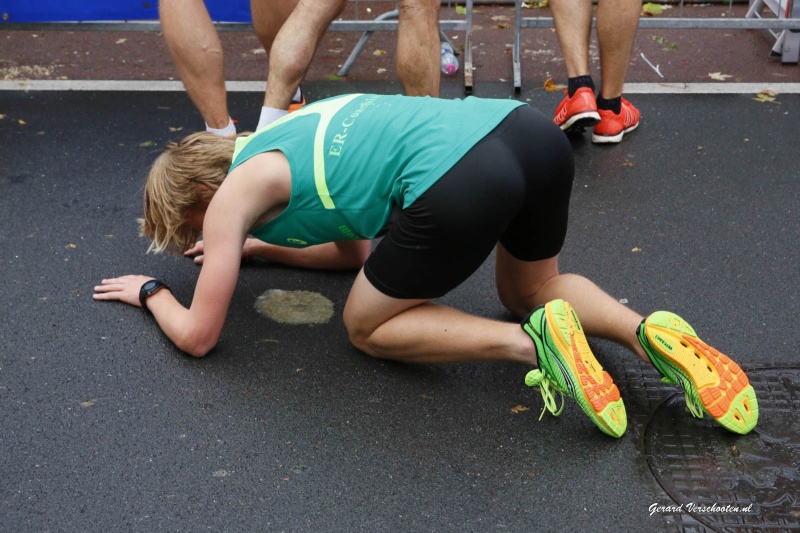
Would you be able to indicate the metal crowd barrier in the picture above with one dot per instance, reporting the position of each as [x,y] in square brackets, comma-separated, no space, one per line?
[388,21]
[785,27]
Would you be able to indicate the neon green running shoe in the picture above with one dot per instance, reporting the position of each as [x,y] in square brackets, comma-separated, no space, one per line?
[566,364]
[711,380]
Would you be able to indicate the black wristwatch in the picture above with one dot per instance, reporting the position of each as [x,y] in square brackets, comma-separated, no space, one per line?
[148,289]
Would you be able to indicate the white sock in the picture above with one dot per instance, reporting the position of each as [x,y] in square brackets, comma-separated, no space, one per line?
[227,131]
[268,116]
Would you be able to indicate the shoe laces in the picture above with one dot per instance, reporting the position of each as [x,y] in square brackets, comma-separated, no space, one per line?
[693,403]
[537,378]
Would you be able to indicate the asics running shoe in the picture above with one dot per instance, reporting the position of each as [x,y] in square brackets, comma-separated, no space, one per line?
[613,126]
[712,382]
[566,364]
[578,112]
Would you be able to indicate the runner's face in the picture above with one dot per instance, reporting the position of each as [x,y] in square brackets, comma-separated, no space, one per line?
[195,217]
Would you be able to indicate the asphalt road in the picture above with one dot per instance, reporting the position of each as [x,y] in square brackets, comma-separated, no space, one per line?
[107,427]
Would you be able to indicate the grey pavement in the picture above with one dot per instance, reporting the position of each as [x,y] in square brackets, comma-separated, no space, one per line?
[107,427]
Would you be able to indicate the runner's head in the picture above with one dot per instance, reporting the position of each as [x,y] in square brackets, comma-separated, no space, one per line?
[182,180]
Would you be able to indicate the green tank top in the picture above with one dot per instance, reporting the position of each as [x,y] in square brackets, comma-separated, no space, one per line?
[354,158]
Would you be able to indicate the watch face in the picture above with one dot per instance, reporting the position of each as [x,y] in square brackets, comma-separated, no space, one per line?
[149,285]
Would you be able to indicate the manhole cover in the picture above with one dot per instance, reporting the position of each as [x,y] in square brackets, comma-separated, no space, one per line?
[732,482]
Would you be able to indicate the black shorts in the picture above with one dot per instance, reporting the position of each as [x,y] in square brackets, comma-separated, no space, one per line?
[512,187]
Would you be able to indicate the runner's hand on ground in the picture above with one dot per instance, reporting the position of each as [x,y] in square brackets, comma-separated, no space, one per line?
[124,289]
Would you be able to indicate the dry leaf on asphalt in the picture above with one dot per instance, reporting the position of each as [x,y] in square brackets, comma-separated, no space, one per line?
[719,76]
[766,96]
[551,86]
[651,10]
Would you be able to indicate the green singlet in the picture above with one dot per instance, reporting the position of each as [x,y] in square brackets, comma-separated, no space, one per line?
[354,157]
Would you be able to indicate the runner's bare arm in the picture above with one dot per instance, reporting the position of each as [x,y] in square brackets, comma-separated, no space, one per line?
[235,207]
[342,255]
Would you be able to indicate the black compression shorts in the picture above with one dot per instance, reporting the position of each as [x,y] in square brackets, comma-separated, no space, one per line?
[512,187]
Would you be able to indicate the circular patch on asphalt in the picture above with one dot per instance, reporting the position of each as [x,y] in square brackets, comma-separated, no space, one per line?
[728,481]
[295,307]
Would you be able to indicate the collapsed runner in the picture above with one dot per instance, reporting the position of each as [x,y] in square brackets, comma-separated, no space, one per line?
[313,188]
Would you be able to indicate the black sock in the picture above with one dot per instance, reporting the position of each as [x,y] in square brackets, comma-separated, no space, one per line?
[573,84]
[612,104]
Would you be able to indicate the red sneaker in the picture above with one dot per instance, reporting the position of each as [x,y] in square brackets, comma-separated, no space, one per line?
[577,113]
[612,127]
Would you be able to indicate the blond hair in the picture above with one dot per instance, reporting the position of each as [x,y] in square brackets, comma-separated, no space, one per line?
[186,175]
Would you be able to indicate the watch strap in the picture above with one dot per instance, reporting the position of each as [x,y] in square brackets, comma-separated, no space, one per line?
[148,289]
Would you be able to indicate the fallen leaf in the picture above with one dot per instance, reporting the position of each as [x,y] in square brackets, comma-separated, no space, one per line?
[719,76]
[636,249]
[22,122]
[651,10]
[379,53]
[381,70]
[172,129]
[258,51]
[145,144]
[627,164]
[766,96]
[667,44]
[550,86]
[120,41]
[519,409]
[70,245]
[333,77]
[2,116]
[501,26]
[87,404]
[461,10]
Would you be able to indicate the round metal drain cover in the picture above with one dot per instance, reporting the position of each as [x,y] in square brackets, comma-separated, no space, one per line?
[732,482]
